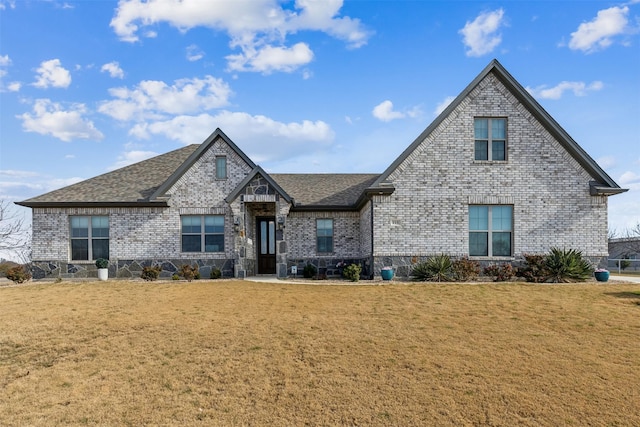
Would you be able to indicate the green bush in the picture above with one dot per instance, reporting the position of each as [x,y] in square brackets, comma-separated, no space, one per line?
[151,273]
[352,272]
[534,269]
[215,273]
[102,263]
[567,266]
[18,274]
[464,269]
[500,272]
[175,277]
[438,268]
[309,271]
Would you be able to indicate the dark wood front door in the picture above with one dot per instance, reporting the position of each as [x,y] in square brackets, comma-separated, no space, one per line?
[266,233]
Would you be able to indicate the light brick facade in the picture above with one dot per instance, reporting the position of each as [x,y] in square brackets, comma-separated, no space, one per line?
[549,191]
[426,212]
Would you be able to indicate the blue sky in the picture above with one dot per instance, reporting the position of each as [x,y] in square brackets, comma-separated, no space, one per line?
[90,86]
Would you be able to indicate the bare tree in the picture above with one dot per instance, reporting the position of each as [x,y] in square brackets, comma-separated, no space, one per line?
[14,235]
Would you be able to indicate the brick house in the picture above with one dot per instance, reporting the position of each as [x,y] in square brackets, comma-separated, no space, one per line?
[493,177]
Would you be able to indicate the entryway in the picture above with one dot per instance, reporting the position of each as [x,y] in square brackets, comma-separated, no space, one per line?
[266,247]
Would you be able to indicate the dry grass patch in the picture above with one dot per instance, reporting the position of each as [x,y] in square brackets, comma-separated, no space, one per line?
[242,353]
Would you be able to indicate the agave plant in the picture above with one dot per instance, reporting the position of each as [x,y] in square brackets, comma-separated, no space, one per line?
[437,268]
[566,266]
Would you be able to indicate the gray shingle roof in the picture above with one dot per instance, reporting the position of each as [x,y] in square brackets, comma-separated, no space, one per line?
[339,190]
[133,184]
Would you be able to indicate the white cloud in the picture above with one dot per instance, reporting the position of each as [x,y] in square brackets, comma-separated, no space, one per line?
[153,98]
[130,157]
[630,180]
[51,73]
[606,162]
[598,33]
[50,118]
[481,35]
[114,70]
[384,112]
[270,58]
[556,92]
[194,53]
[259,28]
[14,86]
[261,137]
[5,61]
[443,105]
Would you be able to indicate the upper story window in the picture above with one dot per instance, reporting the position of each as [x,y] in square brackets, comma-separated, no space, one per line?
[202,233]
[490,230]
[221,167]
[490,139]
[89,237]
[324,235]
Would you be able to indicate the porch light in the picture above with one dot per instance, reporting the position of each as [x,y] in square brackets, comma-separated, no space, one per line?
[281,222]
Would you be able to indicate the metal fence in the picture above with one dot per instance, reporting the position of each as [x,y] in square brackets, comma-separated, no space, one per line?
[619,265]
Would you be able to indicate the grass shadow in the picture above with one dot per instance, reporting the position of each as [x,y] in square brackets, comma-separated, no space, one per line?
[625,295]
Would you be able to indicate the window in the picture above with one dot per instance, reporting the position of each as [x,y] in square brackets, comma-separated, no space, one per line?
[221,168]
[89,237]
[490,139]
[490,230]
[324,235]
[202,231]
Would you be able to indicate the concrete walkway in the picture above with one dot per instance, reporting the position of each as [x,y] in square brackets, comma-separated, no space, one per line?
[632,279]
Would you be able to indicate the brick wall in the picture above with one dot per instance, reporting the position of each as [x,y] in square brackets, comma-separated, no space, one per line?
[428,212]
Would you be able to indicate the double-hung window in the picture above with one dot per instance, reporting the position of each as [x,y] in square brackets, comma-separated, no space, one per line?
[221,167]
[490,139]
[324,235]
[89,237]
[490,230]
[202,233]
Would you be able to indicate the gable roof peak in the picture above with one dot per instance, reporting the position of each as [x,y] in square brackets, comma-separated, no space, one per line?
[529,102]
[187,164]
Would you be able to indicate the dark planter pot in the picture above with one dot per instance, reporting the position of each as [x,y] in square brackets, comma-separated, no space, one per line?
[601,276]
[386,274]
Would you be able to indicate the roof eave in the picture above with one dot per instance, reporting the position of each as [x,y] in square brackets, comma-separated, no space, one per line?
[141,204]
[596,189]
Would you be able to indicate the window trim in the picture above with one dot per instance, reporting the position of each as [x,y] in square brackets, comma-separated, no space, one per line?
[489,231]
[203,234]
[89,238]
[490,140]
[318,236]
[226,174]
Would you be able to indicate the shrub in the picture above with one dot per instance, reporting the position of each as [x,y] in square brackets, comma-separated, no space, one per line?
[623,263]
[151,273]
[534,269]
[5,266]
[215,273]
[18,274]
[567,266]
[352,272]
[175,277]
[309,271]
[190,272]
[464,269]
[436,269]
[500,272]
[102,263]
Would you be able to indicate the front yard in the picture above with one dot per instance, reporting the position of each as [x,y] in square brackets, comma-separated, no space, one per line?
[242,353]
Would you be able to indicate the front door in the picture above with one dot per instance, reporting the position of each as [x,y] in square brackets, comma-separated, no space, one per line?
[266,245]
